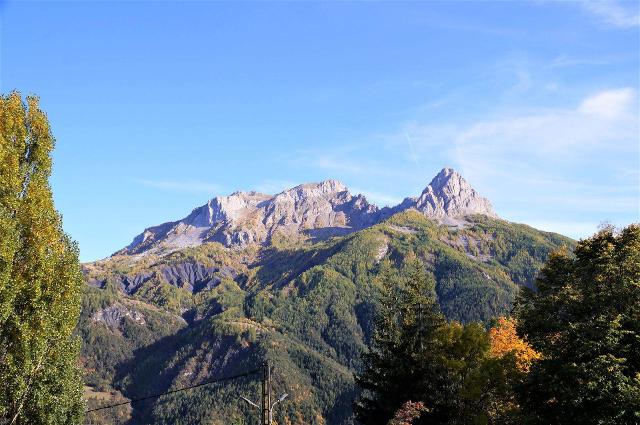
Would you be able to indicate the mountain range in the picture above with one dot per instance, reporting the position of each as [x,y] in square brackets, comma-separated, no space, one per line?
[292,278]
[316,210]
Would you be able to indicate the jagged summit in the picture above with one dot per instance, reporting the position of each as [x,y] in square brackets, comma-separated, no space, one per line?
[449,195]
[316,210]
[326,186]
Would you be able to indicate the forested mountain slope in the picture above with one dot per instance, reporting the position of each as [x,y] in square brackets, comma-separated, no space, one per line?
[162,320]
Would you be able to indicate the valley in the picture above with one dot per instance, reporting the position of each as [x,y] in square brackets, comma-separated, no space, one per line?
[159,315]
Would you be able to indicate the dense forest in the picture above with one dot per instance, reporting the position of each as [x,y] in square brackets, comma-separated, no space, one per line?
[569,354]
[151,324]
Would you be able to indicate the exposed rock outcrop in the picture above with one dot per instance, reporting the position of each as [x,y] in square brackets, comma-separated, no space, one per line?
[113,315]
[449,196]
[244,218]
[314,210]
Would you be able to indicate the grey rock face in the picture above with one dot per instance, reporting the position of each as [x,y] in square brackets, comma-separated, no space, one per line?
[315,210]
[130,284]
[191,276]
[244,218]
[195,277]
[113,315]
[449,196]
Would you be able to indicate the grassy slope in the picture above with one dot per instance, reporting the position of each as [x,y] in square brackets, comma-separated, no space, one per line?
[306,307]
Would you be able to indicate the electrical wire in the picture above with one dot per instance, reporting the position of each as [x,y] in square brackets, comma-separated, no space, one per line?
[213,381]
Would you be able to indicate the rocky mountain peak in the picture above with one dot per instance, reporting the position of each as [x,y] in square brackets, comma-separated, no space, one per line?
[450,195]
[445,177]
[314,210]
[325,190]
[324,187]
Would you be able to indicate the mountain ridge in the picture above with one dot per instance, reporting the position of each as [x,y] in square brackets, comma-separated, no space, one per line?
[184,311]
[309,210]
[157,322]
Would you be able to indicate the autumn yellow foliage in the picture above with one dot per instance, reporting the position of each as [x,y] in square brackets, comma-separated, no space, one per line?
[504,339]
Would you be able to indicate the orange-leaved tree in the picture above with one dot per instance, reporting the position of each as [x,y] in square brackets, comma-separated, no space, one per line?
[490,389]
[504,340]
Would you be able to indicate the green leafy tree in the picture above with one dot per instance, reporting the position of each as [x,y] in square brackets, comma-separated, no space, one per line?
[40,279]
[585,322]
[415,354]
[489,392]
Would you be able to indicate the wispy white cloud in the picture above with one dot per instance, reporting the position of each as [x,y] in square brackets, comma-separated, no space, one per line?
[610,104]
[600,201]
[347,160]
[515,74]
[425,139]
[551,134]
[563,61]
[617,14]
[605,117]
[412,152]
[182,186]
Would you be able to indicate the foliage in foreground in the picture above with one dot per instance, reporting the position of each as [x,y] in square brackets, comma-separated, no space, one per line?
[573,355]
[40,279]
[585,322]
[307,307]
[460,374]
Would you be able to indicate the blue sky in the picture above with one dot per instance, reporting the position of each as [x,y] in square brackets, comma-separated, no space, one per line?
[159,106]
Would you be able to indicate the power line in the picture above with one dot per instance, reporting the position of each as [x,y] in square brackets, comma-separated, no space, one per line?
[212,381]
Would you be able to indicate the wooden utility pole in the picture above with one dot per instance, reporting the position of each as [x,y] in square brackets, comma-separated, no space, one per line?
[266,394]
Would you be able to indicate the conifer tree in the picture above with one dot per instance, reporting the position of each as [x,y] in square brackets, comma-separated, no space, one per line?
[381,364]
[585,322]
[40,279]
[402,364]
